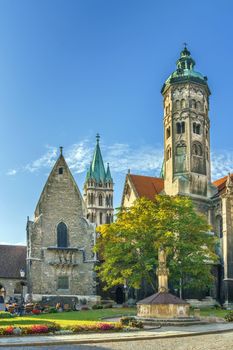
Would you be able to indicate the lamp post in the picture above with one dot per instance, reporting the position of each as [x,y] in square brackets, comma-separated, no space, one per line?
[22,275]
[126,291]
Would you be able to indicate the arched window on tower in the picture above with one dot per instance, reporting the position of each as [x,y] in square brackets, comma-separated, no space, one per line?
[100,200]
[197,128]
[183,104]
[92,198]
[89,198]
[168,153]
[168,132]
[198,105]
[101,218]
[180,127]
[177,104]
[218,226]
[181,149]
[193,104]
[62,235]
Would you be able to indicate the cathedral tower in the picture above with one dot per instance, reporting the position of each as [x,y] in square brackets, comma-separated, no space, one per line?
[186,131]
[98,190]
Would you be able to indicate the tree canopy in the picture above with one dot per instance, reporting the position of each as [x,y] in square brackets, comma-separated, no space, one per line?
[129,247]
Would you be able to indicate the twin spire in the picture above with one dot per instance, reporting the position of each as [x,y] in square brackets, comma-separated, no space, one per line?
[97,170]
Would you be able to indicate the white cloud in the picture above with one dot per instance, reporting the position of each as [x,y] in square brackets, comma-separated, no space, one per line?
[45,161]
[221,163]
[12,172]
[121,156]
[79,155]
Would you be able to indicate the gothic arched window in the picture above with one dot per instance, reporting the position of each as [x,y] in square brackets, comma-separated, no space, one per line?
[181,149]
[168,153]
[180,128]
[101,218]
[92,198]
[218,226]
[183,104]
[100,200]
[168,132]
[196,128]
[177,104]
[197,149]
[62,235]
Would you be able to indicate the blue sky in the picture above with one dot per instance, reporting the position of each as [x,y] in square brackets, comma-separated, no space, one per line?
[70,69]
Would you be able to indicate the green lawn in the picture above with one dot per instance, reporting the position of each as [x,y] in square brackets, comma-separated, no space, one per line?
[68,318]
[213,312]
[90,316]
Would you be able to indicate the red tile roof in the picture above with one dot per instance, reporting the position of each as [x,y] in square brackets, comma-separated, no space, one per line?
[147,186]
[221,184]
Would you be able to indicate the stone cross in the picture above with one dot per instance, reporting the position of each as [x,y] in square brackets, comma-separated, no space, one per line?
[162,272]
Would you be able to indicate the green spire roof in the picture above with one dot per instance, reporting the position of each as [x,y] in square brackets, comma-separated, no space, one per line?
[185,71]
[97,169]
[108,174]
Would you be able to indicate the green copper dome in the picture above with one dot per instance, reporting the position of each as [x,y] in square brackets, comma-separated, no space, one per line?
[185,71]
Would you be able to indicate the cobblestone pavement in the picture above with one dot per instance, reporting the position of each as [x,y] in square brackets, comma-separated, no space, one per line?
[223,341]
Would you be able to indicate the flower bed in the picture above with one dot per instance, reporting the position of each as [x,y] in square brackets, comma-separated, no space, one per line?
[56,329]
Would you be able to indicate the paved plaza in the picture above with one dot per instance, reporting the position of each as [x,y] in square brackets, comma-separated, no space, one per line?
[219,337]
[223,341]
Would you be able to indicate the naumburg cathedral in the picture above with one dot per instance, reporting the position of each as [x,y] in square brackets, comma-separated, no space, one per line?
[58,261]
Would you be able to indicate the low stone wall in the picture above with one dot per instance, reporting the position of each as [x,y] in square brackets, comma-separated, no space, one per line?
[65,299]
[163,310]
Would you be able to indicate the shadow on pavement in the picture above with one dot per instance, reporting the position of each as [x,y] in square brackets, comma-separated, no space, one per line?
[59,347]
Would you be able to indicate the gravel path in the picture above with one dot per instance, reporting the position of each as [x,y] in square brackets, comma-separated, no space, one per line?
[223,341]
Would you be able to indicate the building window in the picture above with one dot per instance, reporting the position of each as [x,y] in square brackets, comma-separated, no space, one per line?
[168,153]
[60,171]
[183,104]
[101,218]
[168,132]
[177,104]
[100,200]
[92,199]
[62,235]
[181,149]
[193,104]
[197,149]
[196,128]
[180,128]
[63,282]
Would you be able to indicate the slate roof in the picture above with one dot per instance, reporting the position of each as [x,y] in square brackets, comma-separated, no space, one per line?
[147,186]
[221,185]
[12,259]
[162,298]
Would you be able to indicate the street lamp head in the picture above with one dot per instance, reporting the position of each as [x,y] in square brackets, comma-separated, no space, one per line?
[22,273]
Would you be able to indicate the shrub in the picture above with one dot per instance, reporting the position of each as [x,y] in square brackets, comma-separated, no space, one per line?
[5,314]
[52,310]
[95,327]
[229,316]
[131,322]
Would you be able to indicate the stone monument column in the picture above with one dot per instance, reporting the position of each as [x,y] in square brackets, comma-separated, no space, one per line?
[162,272]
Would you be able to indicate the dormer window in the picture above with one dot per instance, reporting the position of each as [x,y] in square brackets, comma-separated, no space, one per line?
[60,170]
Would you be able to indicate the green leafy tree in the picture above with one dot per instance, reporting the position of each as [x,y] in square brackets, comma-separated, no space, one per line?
[129,247]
